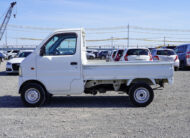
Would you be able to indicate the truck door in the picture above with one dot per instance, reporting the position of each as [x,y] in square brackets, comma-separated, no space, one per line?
[59,64]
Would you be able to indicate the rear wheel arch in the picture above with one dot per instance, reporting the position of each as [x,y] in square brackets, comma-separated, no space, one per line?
[141,80]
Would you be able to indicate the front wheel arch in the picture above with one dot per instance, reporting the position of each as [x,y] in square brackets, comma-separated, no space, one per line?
[32,81]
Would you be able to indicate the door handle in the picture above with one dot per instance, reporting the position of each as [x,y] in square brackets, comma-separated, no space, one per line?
[73,63]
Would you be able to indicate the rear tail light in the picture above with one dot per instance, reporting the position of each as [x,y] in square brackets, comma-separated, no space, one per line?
[188,55]
[126,57]
[150,57]
[156,57]
[117,58]
[176,58]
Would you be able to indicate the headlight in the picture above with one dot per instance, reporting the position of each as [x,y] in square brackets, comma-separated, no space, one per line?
[20,71]
[8,63]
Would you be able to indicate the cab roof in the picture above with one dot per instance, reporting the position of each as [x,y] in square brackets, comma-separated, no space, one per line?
[69,30]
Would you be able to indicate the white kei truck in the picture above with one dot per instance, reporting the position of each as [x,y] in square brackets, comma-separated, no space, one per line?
[59,66]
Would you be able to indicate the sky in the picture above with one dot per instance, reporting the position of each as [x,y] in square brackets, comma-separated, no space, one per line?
[35,19]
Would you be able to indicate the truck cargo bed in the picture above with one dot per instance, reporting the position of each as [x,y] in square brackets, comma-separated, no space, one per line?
[101,70]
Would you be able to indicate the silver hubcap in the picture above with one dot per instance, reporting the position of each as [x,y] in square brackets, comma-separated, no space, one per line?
[32,96]
[141,95]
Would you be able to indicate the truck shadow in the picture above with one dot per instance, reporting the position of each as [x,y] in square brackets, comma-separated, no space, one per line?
[3,73]
[72,102]
[185,69]
[90,102]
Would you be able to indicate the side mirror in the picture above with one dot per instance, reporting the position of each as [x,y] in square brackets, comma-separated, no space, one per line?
[42,51]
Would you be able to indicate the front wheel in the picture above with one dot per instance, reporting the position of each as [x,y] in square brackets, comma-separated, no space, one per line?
[141,94]
[33,95]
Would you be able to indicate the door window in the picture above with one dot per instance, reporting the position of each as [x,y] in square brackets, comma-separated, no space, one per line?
[61,44]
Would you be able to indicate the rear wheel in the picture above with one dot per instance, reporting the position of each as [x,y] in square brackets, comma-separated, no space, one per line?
[141,94]
[33,95]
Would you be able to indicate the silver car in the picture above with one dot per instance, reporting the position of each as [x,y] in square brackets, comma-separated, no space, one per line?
[136,54]
[166,55]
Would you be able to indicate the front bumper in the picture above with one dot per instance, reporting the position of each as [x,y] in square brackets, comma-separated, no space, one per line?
[176,63]
[188,62]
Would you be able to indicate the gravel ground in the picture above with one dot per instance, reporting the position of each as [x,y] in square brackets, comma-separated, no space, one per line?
[105,115]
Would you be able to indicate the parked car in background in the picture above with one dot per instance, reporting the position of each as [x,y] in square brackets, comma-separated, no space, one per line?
[166,55]
[12,54]
[90,55]
[103,54]
[183,52]
[112,55]
[95,52]
[2,56]
[119,54]
[137,54]
[14,63]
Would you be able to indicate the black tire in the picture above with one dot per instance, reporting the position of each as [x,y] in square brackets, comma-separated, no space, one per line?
[90,57]
[139,91]
[182,65]
[176,68]
[39,92]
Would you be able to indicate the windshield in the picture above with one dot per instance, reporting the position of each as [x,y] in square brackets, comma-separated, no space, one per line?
[165,52]
[24,54]
[137,52]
